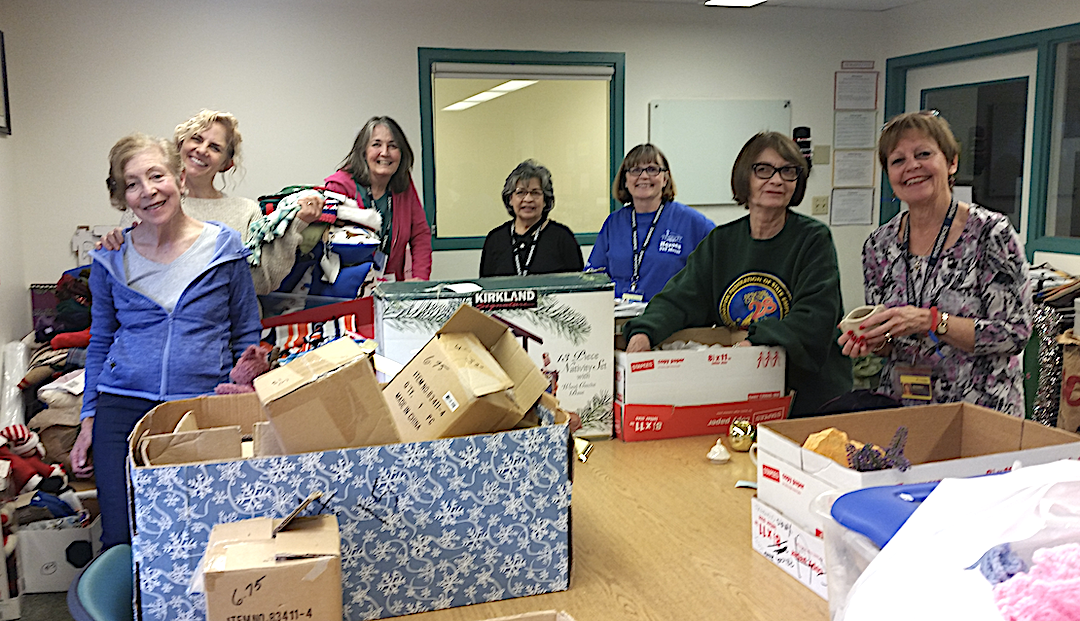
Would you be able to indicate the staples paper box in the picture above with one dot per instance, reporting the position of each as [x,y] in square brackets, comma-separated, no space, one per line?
[471,377]
[945,440]
[422,524]
[788,546]
[251,572]
[326,399]
[50,558]
[563,321]
[671,394]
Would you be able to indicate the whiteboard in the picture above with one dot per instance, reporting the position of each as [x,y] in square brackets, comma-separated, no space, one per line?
[702,137]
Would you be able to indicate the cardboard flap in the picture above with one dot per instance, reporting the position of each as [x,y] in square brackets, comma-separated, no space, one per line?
[529,381]
[265,442]
[468,319]
[217,444]
[306,369]
[477,368]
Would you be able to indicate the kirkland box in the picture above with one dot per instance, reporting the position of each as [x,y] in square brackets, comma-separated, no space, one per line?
[424,525]
[472,377]
[944,440]
[274,569]
[563,321]
[671,394]
[788,546]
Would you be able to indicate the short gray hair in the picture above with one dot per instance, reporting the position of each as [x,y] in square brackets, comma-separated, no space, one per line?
[529,169]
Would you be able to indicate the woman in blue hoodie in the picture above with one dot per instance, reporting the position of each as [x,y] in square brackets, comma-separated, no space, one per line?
[173,310]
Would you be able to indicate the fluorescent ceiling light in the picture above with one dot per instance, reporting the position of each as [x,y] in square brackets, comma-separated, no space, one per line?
[513,85]
[739,3]
[497,91]
[461,105]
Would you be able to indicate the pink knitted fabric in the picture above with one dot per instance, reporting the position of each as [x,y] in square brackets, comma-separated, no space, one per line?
[1049,591]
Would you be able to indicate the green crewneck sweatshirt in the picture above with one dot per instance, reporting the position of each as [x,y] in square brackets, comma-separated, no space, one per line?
[784,291]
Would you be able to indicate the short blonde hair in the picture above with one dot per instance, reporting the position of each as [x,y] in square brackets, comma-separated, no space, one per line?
[128,147]
[928,123]
[643,154]
[202,121]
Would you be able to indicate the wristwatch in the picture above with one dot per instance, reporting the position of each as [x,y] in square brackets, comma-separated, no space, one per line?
[943,325]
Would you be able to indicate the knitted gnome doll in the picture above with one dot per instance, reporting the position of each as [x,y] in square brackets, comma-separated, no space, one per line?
[23,449]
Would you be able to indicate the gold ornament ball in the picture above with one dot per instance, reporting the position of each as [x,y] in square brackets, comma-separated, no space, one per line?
[741,435]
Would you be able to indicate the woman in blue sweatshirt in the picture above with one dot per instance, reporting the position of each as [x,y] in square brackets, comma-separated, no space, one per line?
[172,311]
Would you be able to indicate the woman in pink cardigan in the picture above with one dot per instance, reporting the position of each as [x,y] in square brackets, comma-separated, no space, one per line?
[376,174]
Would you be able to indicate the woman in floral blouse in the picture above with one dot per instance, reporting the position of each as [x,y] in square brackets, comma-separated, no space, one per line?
[953,277]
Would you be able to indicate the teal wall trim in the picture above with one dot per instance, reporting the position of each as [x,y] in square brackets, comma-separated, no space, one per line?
[427,56]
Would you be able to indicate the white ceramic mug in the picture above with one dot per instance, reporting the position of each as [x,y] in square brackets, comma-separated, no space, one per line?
[752,453]
[854,319]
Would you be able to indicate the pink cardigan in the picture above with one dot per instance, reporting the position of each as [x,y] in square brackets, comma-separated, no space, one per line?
[410,228]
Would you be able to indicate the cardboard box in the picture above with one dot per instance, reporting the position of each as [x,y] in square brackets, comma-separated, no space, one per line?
[422,524]
[259,569]
[563,321]
[326,399]
[471,377]
[788,546]
[944,440]
[671,394]
[49,559]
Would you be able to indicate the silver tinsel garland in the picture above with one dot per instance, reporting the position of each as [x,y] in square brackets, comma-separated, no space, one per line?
[1047,322]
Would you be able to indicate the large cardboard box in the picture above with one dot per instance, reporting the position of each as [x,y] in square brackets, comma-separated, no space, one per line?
[327,398]
[944,440]
[260,569]
[789,546]
[670,394]
[563,321]
[471,377]
[50,558]
[424,525]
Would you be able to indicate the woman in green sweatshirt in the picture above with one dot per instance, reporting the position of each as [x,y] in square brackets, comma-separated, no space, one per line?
[772,273]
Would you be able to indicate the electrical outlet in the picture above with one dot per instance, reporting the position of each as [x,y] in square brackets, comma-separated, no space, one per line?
[820,206]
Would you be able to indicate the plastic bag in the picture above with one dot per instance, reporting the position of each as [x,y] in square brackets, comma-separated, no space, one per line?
[16,361]
[930,569]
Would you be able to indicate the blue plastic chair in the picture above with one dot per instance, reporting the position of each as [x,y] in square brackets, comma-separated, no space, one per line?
[103,590]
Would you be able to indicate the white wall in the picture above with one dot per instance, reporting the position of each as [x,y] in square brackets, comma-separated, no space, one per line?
[303,77]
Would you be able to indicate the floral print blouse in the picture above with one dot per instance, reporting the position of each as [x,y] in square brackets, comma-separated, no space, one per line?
[984,277]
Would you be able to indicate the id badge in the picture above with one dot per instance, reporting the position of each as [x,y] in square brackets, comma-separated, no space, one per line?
[913,382]
[632,297]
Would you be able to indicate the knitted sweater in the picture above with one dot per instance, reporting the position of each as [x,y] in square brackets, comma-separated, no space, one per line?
[237,213]
[784,291]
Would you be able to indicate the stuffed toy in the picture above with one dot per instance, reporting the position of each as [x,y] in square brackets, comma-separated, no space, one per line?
[253,363]
[29,473]
[7,514]
[22,441]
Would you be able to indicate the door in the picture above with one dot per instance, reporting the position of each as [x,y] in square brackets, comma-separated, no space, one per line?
[989,103]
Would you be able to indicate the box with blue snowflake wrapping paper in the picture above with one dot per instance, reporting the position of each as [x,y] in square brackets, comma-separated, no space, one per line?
[424,525]
[564,322]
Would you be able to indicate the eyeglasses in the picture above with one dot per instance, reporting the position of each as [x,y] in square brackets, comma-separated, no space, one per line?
[930,112]
[536,194]
[766,171]
[652,171]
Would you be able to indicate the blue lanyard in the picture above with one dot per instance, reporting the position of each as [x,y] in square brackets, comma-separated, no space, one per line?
[932,260]
[639,254]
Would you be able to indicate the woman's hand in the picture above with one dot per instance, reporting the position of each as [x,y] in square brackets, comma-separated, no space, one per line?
[880,328]
[638,343]
[113,240]
[81,465]
[311,208]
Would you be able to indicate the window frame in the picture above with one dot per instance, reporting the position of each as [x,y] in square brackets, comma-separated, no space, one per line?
[427,57]
[1045,43]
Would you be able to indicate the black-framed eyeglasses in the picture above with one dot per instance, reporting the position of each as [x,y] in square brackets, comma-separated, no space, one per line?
[766,171]
[652,171]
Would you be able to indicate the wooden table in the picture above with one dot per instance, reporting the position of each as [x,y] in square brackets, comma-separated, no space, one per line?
[660,533]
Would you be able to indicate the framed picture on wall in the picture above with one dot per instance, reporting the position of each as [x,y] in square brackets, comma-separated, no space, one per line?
[5,109]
